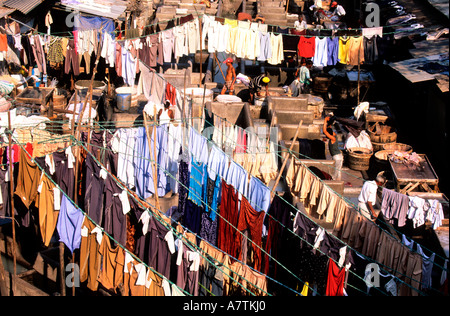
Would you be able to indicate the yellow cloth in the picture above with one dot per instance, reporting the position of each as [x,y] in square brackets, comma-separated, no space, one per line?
[343,50]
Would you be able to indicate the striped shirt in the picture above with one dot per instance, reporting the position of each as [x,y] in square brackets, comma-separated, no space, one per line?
[255,83]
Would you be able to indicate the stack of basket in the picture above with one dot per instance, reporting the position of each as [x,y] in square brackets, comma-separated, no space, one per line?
[381,135]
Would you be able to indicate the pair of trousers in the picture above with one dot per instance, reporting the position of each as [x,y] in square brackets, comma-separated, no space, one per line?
[72,61]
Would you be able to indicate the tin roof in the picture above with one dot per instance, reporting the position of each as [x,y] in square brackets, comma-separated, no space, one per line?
[24,6]
[112,9]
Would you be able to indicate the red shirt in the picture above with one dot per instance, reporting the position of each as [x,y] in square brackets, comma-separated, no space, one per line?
[307,46]
[335,281]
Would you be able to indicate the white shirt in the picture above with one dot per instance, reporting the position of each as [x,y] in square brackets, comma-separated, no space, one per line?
[300,26]
[368,192]
[340,11]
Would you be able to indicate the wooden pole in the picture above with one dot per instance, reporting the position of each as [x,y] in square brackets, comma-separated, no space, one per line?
[359,74]
[220,68]
[3,287]
[13,224]
[61,269]
[201,51]
[154,168]
[285,161]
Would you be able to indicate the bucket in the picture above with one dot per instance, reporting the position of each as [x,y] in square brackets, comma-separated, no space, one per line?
[123,96]
[359,158]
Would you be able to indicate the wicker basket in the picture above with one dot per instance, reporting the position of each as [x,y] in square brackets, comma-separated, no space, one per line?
[382,134]
[398,147]
[359,158]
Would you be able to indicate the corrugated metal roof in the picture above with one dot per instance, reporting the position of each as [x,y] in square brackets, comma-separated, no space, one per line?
[24,6]
[112,9]
[5,11]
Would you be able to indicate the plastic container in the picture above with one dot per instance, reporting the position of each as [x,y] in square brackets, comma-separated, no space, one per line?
[123,97]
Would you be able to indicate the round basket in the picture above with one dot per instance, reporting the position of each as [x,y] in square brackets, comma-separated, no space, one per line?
[386,134]
[359,158]
[378,146]
[398,147]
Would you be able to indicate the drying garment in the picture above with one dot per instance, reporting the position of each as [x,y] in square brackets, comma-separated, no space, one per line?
[356,51]
[90,258]
[307,47]
[27,180]
[64,176]
[94,188]
[344,44]
[217,163]
[276,41]
[168,43]
[259,195]
[188,263]
[277,220]
[122,144]
[213,189]
[142,164]
[237,177]
[427,268]
[184,177]
[265,47]
[370,50]
[171,94]
[48,216]
[69,224]
[160,247]
[229,214]
[250,220]
[208,230]
[335,281]
[193,216]
[114,215]
[196,182]
[333,50]
[112,265]
[395,205]
[320,58]
[39,54]
[156,50]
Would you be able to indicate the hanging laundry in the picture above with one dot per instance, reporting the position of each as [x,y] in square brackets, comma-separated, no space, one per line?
[320,58]
[336,278]
[69,224]
[356,51]
[307,47]
[276,42]
[344,44]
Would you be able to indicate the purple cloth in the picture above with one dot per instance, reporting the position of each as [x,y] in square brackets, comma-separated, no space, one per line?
[395,205]
[69,224]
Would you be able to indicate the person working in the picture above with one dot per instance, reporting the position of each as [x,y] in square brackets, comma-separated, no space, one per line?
[300,24]
[255,85]
[230,78]
[333,146]
[166,115]
[304,76]
[338,12]
[368,196]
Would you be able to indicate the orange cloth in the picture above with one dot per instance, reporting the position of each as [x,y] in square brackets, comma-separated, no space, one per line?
[3,43]
[89,256]
[112,264]
[27,180]
[48,217]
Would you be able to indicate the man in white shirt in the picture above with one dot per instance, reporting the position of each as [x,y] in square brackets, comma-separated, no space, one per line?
[368,196]
[338,12]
